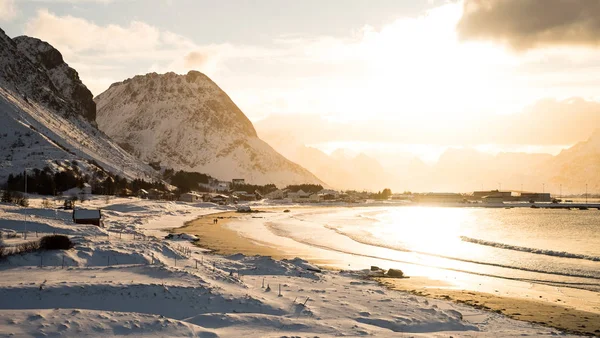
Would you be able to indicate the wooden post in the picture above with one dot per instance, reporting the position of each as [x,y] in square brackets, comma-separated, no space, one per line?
[279,290]
[196,264]
[307,298]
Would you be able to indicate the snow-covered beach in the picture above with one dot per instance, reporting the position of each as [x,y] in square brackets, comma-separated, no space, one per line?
[129,280]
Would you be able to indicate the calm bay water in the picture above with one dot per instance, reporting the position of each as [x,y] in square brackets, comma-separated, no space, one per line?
[555,247]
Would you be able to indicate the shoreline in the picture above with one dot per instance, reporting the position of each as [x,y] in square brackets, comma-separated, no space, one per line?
[224,241]
[221,240]
[529,310]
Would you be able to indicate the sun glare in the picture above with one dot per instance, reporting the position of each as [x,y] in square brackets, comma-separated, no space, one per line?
[425,229]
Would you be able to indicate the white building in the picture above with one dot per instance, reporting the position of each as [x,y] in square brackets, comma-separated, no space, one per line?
[277,194]
[298,194]
[238,181]
[191,196]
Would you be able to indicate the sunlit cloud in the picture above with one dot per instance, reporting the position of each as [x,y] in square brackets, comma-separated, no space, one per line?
[415,80]
[8,10]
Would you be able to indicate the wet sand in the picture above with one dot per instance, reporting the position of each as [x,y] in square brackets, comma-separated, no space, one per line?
[222,240]
[540,312]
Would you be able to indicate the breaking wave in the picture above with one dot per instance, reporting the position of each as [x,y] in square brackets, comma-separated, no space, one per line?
[364,240]
[589,284]
[562,254]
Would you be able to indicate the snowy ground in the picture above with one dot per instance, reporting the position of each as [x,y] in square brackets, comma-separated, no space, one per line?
[130,281]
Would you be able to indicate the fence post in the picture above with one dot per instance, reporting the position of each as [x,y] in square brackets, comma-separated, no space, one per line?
[196,264]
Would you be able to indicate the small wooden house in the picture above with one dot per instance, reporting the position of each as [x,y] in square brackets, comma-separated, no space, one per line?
[190,197]
[87,216]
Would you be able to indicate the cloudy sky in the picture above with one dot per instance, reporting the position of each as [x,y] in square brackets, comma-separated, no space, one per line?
[518,75]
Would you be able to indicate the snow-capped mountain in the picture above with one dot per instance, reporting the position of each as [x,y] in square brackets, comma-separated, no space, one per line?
[188,123]
[575,167]
[64,78]
[47,116]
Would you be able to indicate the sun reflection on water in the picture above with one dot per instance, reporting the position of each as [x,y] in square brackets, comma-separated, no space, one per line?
[425,229]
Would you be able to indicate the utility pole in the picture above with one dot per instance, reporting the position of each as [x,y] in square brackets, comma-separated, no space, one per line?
[560,196]
[25,196]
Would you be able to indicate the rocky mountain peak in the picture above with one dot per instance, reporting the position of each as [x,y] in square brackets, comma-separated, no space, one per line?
[64,78]
[200,99]
[188,123]
[47,117]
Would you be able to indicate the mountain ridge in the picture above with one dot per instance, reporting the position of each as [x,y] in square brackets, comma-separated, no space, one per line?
[187,122]
[45,112]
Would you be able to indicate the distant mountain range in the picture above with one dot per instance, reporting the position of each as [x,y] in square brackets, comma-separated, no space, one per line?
[48,116]
[187,122]
[575,167]
[457,169]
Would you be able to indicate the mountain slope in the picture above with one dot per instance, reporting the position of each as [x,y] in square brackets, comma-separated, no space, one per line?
[65,79]
[575,167]
[45,112]
[188,123]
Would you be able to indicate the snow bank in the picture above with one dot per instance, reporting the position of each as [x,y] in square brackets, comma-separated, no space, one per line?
[141,285]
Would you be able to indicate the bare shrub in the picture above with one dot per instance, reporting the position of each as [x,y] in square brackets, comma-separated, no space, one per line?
[3,251]
[27,247]
[55,242]
[46,203]
[20,199]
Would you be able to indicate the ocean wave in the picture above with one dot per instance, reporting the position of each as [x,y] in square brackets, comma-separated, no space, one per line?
[591,286]
[587,281]
[365,241]
[554,253]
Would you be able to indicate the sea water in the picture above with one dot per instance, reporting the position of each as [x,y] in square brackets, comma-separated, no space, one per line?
[553,247]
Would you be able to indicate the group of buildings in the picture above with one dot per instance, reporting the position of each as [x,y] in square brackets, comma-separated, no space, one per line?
[283,195]
[491,196]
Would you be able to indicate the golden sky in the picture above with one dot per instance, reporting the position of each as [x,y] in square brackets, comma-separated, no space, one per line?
[495,75]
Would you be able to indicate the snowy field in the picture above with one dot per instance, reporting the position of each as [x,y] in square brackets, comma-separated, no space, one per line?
[126,279]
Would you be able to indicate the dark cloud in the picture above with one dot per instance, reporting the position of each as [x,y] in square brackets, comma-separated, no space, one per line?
[525,24]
